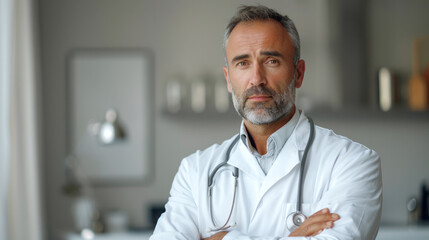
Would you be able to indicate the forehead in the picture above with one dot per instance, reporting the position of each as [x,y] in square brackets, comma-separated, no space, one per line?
[256,36]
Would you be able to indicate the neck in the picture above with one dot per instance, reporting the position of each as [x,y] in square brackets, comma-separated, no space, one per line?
[259,134]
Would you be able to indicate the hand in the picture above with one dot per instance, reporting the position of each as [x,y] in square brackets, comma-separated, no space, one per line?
[217,236]
[315,224]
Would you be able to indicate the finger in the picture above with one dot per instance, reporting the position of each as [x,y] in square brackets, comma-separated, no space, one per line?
[306,231]
[321,211]
[317,233]
[318,226]
[323,217]
[318,223]
[311,227]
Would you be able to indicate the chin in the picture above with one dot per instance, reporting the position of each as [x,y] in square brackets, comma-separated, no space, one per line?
[260,118]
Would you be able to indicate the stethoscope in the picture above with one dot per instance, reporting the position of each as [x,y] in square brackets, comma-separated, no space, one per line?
[294,220]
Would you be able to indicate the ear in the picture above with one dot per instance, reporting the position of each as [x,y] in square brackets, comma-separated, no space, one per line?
[300,69]
[228,82]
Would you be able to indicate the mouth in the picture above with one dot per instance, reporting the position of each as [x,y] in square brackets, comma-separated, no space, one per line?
[259,98]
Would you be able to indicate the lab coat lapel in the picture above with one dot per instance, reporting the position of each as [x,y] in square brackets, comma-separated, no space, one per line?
[287,160]
[244,160]
[289,156]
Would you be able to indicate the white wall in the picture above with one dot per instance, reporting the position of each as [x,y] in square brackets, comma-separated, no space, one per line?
[186,38]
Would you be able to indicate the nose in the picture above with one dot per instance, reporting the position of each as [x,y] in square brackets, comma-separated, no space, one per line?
[258,75]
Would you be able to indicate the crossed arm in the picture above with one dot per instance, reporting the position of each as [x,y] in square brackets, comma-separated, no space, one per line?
[313,226]
[355,195]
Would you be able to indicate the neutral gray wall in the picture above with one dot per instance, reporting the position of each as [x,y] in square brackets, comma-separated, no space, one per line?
[391,27]
[186,38]
[402,143]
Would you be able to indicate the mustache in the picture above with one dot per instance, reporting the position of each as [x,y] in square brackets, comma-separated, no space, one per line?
[258,90]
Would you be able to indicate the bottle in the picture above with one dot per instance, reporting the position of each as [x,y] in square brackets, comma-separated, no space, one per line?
[386,89]
[413,208]
[416,84]
[426,77]
[424,216]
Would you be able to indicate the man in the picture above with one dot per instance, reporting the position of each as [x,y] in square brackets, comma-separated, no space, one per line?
[341,179]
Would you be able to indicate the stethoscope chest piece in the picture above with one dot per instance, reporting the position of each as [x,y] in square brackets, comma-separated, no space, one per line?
[294,220]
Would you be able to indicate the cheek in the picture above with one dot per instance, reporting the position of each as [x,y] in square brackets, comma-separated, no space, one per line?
[238,80]
[279,73]
[279,80]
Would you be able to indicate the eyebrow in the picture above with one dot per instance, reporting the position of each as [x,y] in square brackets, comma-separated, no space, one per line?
[265,53]
[272,53]
[239,57]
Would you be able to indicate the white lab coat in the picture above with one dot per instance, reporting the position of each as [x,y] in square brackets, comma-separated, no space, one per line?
[340,174]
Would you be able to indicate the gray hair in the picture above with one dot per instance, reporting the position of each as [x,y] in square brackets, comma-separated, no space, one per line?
[262,13]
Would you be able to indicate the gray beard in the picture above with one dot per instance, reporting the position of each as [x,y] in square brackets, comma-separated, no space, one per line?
[261,114]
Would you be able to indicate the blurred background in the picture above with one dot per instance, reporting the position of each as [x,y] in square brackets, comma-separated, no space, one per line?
[105,98]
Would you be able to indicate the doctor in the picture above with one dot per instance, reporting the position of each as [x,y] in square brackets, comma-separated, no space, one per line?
[248,187]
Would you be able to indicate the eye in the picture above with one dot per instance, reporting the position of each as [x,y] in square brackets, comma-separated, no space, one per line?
[241,64]
[272,61]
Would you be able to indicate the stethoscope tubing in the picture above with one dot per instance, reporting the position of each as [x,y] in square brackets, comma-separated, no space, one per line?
[302,165]
[228,152]
[211,184]
[224,227]
[236,173]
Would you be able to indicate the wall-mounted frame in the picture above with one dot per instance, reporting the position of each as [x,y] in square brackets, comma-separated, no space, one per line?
[119,79]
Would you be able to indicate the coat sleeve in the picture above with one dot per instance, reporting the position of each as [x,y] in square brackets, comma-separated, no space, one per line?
[354,192]
[179,221]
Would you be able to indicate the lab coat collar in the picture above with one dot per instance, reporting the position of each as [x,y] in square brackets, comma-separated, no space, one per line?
[243,159]
[301,132]
[287,159]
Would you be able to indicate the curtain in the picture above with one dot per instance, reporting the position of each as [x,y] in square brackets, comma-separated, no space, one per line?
[4,114]
[20,124]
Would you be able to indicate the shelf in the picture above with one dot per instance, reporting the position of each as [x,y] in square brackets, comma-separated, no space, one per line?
[212,115]
[350,114]
[370,114]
